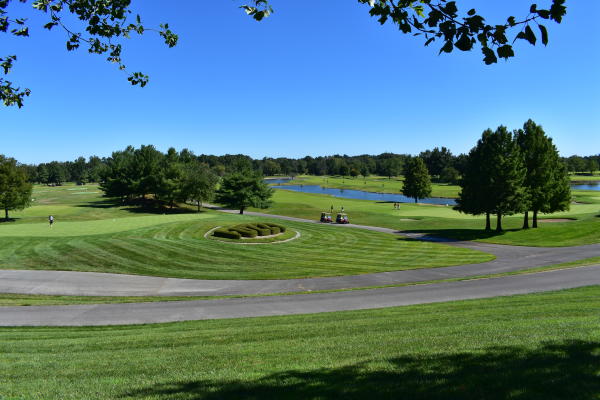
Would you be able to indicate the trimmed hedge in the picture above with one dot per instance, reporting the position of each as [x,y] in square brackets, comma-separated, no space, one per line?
[226,233]
[250,230]
[273,229]
[281,227]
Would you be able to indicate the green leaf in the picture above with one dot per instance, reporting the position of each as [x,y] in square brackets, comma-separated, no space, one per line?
[471,12]
[533,8]
[529,35]
[505,51]
[544,33]
[464,43]
[489,56]
[447,48]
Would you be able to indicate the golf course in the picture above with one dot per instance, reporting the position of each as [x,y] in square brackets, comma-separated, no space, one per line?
[285,200]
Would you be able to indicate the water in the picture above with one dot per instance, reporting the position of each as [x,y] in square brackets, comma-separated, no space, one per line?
[587,186]
[362,195]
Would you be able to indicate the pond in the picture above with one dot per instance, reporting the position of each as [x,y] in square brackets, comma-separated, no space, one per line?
[587,186]
[362,195]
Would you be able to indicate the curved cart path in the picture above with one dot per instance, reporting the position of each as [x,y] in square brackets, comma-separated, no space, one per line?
[71,283]
[140,313]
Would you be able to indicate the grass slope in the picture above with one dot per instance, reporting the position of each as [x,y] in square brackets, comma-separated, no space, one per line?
[178,249]
[444,221]
[540,346]
[129,240]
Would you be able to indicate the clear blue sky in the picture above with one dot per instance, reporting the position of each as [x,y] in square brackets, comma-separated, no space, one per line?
[316,78]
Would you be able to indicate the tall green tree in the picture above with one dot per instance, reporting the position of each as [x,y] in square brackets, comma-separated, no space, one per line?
[417,182]
[546,182]
[472,198]
[15,189]
[493,181]
[241,190]
[199,183]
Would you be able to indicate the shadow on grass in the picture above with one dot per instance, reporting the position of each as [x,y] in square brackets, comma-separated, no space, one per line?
[446,235]
[566,370]
[139,206]
[4,220]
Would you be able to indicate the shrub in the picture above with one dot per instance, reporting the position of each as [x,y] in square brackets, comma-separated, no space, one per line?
[281,227]
[245,232]
[226,233]
[261,231]
[273,229]
[250,230]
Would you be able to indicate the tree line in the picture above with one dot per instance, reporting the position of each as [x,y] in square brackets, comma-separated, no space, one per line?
[441,164]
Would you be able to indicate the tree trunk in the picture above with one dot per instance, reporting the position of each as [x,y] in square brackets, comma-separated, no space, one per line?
[535,218]
[499,223]
[242,209]
[488,225]
[416,200]
[199,205]
[526,220]
[6,214]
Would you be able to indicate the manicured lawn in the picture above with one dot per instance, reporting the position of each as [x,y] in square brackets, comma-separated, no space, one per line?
[584,177]
[444,221]
[379,184]
[540,346]
[178,249]
[130,240]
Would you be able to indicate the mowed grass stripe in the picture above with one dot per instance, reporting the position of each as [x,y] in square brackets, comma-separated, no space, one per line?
[178,249]
[538,346]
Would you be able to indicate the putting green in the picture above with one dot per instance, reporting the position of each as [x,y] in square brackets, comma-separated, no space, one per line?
[97,227]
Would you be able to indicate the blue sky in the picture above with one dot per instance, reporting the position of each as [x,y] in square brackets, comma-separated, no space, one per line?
[316,78]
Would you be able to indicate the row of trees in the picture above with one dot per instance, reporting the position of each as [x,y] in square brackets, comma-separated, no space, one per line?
[513,172]
[441,165]
[170,177]
[15,189]
[180,177]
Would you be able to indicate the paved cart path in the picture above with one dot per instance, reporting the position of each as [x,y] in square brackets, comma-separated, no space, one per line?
[140,313]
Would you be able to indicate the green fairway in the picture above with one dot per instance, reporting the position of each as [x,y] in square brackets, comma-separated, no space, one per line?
[444,221]
[542,346]
[380,184]
[124,240]
[178,249]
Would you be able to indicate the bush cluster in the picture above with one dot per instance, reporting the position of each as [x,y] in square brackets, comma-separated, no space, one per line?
[250,230]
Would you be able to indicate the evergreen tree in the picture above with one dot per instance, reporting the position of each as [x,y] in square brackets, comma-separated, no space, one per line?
[15,189]
[417,182]
[507,175]
[244,189]
[472,198]
[546,182]
[493,181]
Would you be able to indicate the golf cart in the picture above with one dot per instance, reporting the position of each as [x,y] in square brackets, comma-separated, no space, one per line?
[342,218]
[325,217]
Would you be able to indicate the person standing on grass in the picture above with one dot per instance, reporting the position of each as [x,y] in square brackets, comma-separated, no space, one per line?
[51,220]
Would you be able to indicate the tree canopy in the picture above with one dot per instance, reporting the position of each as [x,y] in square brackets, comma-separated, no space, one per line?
[15,190]
[546,182]
[417,182]
[105,24]
[493,180]
[168,178]
[245,189]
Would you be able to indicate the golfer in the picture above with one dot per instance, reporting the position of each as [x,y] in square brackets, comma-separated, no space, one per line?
[51,220]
